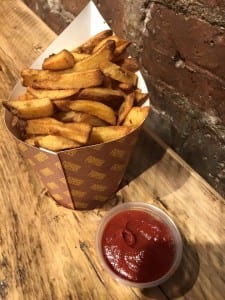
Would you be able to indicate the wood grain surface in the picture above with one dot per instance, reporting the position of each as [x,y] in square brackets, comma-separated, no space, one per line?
[48,252]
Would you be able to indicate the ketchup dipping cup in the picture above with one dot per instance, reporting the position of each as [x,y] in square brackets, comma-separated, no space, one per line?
[138,244]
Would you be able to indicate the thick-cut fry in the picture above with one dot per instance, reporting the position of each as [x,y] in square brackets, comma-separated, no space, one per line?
[26,96]
[65,116]
[29,75]
[95,108]
[89,45]
[60,61]
[52,94]
[116,72]
[105,53]
[114,38]
[125,108]
[108,133]
[79,56]
[140,97]
[30,109]
[129,63]
[81,97]
[102,94]
[126,87]
[136,116]
[52,142]
[73,80]
[121,47]
[74,116]
[78,132]
[62,104]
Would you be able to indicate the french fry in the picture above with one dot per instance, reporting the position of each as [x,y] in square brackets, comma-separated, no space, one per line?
[26,96]
[108,133]
[129,63]
[140,97]
[121,47]
[79,56]
[136,116]
[30,109]
[78,132]
[30,75]
[125,108]
[73,80]
[102,94]
[52,142]
[85,96]
[114,38]
[116,72]
[65,116]
[62,104]
[60,61]
[126,87]
[52,94]
[105,53]
[89,45]
[94,108]
[74,116]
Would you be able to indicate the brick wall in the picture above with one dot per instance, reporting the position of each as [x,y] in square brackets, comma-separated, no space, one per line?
[181,47]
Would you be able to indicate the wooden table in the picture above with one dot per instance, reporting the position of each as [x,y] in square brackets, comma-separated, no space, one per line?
[47,251]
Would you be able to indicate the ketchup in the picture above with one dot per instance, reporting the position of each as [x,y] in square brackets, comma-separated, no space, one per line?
[137,246]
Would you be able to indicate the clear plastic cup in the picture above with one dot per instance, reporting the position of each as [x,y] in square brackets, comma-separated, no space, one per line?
[159,215]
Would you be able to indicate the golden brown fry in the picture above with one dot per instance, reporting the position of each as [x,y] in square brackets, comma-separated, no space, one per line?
[52,142]
[140,97]
[73,80]
[26,96]
[116,72]
[65,116]
[30,109]
[101,94]
[105,53]
[78,132]
[60,61]
[29,75]
[114,38]
[121,47]
[52,94]
[126,87]
[94,108]
[108,133]
[136,116]
[129,63]
[79,56]
[62,104]
[125,108]
[89,45]
[74,116]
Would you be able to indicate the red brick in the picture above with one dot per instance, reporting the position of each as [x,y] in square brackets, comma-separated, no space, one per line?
[202,89]
[74,7]
[196,40]
[213,3]
[113,13]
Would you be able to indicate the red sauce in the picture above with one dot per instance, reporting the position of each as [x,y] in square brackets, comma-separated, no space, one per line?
[137,246]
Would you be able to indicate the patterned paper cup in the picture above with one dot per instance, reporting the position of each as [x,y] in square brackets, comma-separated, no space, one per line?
[82,178]
[86,177]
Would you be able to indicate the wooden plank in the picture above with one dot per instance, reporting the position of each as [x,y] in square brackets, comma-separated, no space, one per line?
[165,180]
[47,251]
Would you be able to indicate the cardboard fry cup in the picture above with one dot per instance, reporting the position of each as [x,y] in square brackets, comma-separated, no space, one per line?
[81,178]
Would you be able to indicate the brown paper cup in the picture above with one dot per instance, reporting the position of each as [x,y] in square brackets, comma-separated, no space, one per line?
[82,178]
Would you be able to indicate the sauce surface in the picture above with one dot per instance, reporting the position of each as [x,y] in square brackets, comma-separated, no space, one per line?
[137,246]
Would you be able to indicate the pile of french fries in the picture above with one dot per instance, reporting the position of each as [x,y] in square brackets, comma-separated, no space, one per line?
[81,97]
